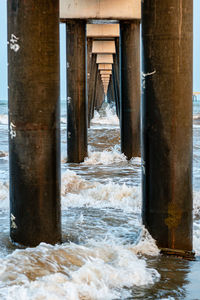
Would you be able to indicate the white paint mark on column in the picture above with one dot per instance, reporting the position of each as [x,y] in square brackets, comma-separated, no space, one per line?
[144,77]
[69,100]
[12,130]
[14,43]
[13,224]
[148,74]
[143,167]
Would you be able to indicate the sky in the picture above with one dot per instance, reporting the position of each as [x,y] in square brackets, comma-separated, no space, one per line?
[3,51]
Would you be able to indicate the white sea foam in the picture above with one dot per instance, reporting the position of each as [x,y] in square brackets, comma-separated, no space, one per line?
[4,195]
[196,117]
[3,119]
[109,118]
[105,157]
[78,192]
[3,154]
[146,245]
[70,271]
[63,120]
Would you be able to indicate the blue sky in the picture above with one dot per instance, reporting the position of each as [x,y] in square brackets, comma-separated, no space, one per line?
[3,51]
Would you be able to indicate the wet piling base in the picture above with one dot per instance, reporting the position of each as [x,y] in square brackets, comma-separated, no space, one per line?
[34,130]
[130,88]
[167,123]
[188,255]
[76,91]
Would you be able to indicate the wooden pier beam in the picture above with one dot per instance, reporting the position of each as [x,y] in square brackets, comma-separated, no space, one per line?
[130,88]
[34,116]
[167,32]
[76,91]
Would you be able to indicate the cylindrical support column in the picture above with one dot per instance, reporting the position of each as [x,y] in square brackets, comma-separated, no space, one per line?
[115,76]
[34,116]
[76,91]
[92,70]
[130,88]
[110,95]
[99,97]
[167,33]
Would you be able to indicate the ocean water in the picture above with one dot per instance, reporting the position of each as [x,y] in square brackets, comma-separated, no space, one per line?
[106,252]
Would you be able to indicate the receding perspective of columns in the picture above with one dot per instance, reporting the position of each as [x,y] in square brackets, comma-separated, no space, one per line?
[76,91]
[167,123]
[34,132]
[130,88]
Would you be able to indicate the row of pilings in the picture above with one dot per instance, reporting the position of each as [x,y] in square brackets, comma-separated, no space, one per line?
[34,124]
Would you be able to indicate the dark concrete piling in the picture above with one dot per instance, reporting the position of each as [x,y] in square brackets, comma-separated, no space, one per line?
[110,94]
[115,77]
[92,73]
[34,130]
[99,96]
[130,88]
[167,33]
[76,91]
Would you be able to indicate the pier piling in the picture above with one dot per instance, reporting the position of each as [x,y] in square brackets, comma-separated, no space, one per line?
[167,122]
[34,130]
[130,88]
[76,91]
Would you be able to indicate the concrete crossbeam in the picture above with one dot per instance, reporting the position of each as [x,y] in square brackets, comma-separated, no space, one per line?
[105,76]
[105,72]
[100,9]
[103,30]
[104,59]
[105,67]
[103,47]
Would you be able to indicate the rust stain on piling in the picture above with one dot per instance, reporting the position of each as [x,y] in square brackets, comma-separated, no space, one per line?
[174,215]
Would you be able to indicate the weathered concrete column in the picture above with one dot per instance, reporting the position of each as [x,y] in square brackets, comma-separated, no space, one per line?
[76,91]
[115,76]
[130,88]
[167,122]
[34,130]
[110,94]
[99,96]
[92,71]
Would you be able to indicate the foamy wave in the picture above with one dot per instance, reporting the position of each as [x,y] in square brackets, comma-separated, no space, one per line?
[3,119]
[196,223]
[146,244]
[196,204]
[72,183]
[71,271]
[110,118]
[196,238]
[3,154]
[196,117]
[63,120]
[4,195]
[78,192]
[105,157]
